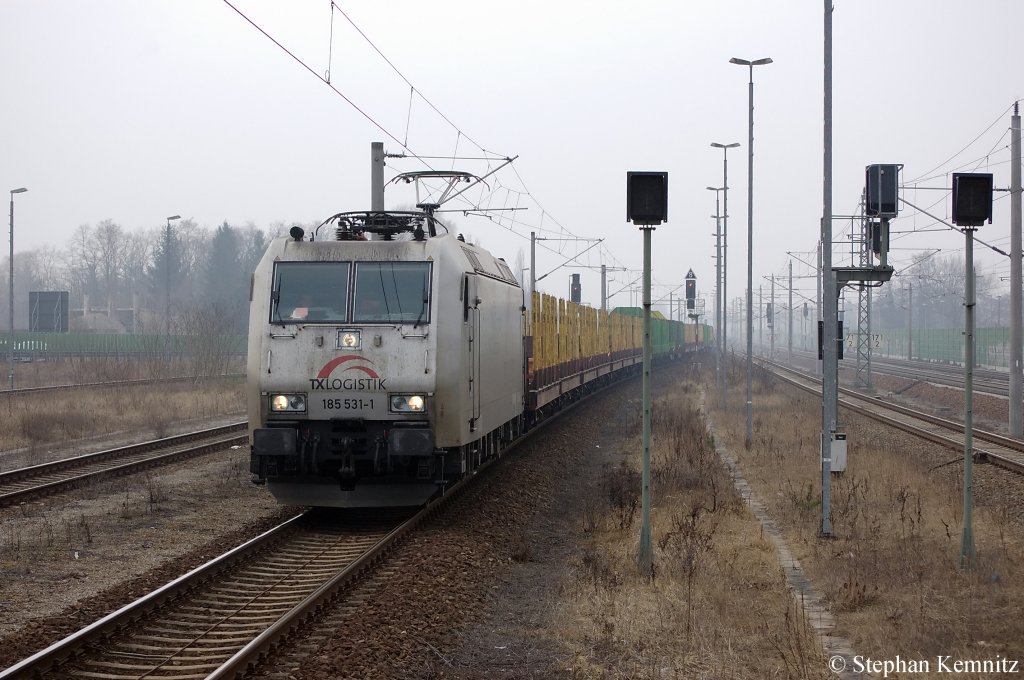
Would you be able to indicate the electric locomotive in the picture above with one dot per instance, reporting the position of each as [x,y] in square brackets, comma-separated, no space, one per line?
[384,363]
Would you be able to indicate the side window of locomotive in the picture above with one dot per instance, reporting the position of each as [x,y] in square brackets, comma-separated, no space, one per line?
[392,292]
[310,292]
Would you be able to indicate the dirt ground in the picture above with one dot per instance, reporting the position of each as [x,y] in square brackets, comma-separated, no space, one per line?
[83,553]
[547,579]
[57,552]
[535,575]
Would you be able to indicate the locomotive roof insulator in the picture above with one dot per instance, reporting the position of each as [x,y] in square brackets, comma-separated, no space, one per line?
[353,226]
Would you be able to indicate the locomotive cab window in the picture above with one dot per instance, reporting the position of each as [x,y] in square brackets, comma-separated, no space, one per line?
[392,292]
[310,292]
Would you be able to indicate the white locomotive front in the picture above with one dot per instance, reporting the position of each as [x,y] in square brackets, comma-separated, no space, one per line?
[380,370]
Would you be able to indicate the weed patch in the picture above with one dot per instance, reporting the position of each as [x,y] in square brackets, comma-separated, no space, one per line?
[717,603]
[891,573]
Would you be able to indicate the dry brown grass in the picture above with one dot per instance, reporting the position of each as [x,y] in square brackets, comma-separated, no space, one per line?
[41,421]
[73,370]
[891,576]
[42,530]
[717,604]
[71,546]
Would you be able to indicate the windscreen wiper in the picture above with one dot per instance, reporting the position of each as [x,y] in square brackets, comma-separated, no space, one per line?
[422,309]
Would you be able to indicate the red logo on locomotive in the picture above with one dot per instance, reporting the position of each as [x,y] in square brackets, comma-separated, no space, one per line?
[324,381]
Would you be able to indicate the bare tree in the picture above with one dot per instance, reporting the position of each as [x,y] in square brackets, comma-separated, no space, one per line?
[938,285]
[211,341]
[254,244]
[137,252]
[50,269]
[194,240]
[185,269]
[109,246]
[83,264]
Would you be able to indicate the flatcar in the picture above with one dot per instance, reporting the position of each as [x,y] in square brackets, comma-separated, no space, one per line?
[390,360]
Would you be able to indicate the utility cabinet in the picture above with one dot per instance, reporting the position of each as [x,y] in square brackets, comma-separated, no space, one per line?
[838,453]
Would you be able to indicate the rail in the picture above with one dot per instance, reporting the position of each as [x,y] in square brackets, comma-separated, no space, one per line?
[233,654]
[1005,452]
[117,383]
[38,480]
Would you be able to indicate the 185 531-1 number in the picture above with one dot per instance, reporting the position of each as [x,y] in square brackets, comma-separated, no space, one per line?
[347,404]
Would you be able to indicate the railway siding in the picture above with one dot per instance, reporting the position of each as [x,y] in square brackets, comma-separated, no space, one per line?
[1007,452]
[17,486]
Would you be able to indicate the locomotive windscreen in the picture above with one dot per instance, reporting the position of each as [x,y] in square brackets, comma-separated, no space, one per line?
[310,291]
[392,292]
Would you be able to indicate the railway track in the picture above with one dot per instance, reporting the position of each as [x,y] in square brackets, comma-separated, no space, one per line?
[225,616]
[1006,452]
[17,486]
[986,380]
[25,391]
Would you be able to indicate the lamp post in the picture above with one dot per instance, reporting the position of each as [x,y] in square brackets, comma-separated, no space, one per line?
[719,300]
[167,278]
[750,241]
[10,299]
[725,257]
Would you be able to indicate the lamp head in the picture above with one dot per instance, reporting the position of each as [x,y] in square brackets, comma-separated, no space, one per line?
[174,217]
[725,146]
[19,191]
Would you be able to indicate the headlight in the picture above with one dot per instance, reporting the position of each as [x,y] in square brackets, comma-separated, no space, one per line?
[407,403]
[288,403]
[348,339]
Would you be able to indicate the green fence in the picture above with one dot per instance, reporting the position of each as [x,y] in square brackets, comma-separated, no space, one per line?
[991,345]
[47,345]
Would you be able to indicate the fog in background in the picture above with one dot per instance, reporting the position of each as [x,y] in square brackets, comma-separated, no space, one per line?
[117,115]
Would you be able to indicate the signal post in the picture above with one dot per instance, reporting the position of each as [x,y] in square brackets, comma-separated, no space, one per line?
[646,207]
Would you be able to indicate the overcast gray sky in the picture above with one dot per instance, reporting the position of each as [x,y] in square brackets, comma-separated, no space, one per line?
[136,110]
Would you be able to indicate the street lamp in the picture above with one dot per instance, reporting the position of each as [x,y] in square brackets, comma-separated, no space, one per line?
[167,278]
[718,288]
[725,255]
[750,242]
[10,299]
